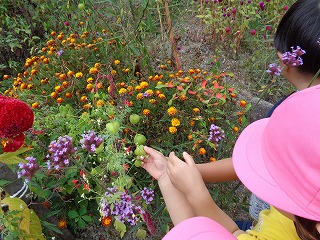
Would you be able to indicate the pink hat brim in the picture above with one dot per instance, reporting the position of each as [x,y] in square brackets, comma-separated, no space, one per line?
[249,164]
[198,228]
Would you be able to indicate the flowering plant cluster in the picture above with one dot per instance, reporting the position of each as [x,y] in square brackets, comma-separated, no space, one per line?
[94,111]
[233,20]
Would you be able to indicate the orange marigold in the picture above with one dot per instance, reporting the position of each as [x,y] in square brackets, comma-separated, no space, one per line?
[202,151]
[62,224]
[172,111]
[146,112]
[106,221]
[175,122]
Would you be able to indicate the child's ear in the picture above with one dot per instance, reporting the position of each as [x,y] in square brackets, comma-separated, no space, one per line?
[280,58]
[318,227]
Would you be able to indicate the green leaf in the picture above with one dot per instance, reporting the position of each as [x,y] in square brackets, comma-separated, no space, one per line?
[12,157]
[82,211]
[4,182]
[81,223]
[73,214]
[35,227]
[120,227]
[141,233]
[51,227]
[87,218]
[16,204]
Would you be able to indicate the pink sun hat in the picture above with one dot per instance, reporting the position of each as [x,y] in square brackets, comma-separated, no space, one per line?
[199,228]
[278,158]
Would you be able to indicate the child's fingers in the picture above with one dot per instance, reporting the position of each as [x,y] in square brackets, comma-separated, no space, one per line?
[188,158]
[152,152]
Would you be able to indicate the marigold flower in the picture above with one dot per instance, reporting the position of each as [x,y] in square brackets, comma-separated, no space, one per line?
[60,100]
[149,92]
[242,103]
[62,76]
[192,123]
[212,159]
[53,94]
[113,72]
[62,224]
[162,96]
[144,84]
[35,105]
[70,73]
[190,137]
[79,75]
[152,101]
[138,88]
[15,117]
[68,94]
[89,86]
[83,99]
[93,70]
[58,89]
[172,130]
[175,122]
[172,111]
[5,77]
[100,103]
[196,110]
[235,129]
[146,112]
[116,62]
[139,96]
[202,151]
[106,221]
[122,90]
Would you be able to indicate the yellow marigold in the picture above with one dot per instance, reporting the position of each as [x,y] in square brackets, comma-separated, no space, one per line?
[192,123]
[235,129]
[125,70]
[144,84]
[54,94]
[30,86]
[93,70]
[213,159]
[138,88]
[190,137]
[202,151]
[5,77]
[191,71]
[198,70]
[122,90]
[89,86]
[172,130]
[79,75]
[146,112]
[196,110]
[62,76]
[34,71]
[175,122]
[172,111]
[83,99]
[171,75]
[113,72]
[62,224]
[159,83]
[100,103]
[162,96]
[90,80]
[162,66]
[60,100]
[152,101]
[23,86]
[116,62]
[97,65]
[68,94]
[149,92]
[150,78]
[65,83]
[211,119]
[70,73]
[139,96]
[157,77]
[58,89]
[130,88]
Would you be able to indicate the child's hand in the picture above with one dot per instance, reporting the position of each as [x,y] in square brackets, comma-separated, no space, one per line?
[185,176]
[155,163]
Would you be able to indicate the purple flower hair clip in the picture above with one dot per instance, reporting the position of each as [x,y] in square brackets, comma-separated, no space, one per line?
[293,59]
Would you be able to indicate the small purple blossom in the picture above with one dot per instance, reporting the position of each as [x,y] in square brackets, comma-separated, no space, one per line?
[60,52]
[216,134]
[28,169]
[60,151]
[262,6]
[147,195]
[293,59]
[274,70]
[91,141]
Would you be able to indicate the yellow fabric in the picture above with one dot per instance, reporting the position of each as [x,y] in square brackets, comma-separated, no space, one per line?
[272,225]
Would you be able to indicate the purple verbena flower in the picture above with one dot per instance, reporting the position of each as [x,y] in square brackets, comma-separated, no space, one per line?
[28,169]
[147,195]
[274,70]
[293,59]
[60,151]
[91,141]
[60,52]
[216,134]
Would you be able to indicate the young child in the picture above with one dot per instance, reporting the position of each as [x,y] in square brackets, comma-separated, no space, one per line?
[277,158]
[300,26]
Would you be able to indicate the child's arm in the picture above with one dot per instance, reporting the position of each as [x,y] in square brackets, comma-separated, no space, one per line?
[219,171]
[186,177]
[176,202]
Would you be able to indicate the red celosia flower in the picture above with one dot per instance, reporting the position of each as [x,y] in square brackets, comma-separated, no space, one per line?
[15,117]
[13,144]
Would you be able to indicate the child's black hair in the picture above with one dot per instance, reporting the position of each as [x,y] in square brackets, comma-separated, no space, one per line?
[300,26]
